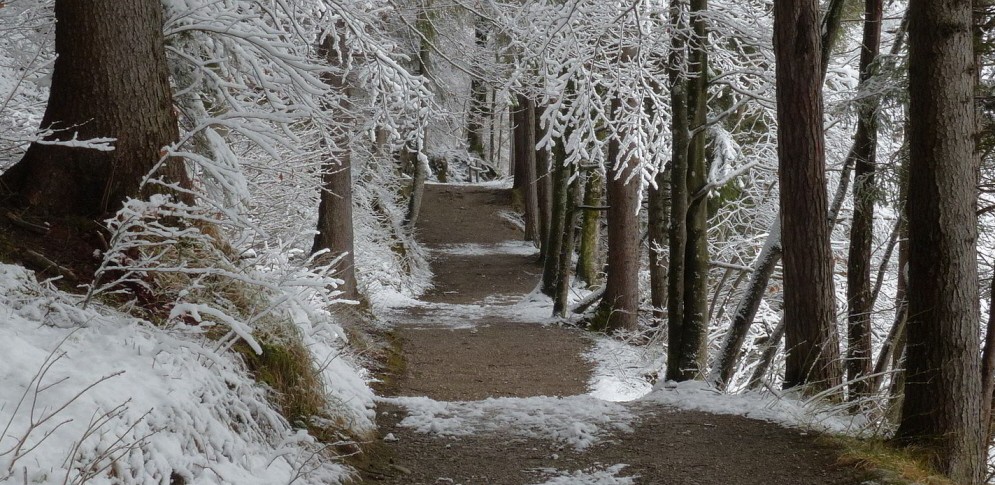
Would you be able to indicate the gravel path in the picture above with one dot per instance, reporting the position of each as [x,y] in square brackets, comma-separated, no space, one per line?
[471,339]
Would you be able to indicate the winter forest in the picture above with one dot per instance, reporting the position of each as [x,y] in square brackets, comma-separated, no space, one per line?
[400,241]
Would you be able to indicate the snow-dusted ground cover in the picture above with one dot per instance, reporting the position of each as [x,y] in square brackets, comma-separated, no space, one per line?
[100,396]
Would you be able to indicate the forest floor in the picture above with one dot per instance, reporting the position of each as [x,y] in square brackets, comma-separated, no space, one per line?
[493,393]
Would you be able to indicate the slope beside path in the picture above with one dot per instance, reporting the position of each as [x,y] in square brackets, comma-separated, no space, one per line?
[494,393]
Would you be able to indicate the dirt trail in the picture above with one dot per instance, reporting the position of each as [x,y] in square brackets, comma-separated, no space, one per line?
[469,340]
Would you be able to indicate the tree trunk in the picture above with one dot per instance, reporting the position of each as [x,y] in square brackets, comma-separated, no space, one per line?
[419,162]
[545,193]
[694,329]
[681,135]
[941,412]
[657,209]
[725,363]
[567,243]
[110,79]
[809,302]
[335,228]
[589,254]
[559,175]
[525,166]
[859,291]
[764,266]
[478,111]
[620,304]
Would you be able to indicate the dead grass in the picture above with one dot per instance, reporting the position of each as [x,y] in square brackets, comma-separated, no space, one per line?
[887,464]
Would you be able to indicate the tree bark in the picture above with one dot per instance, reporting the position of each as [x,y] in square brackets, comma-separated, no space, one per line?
[657,209]
[419,162]
[559,176]
[694,329]
[335,227]
[525,166]
[567,242]
[589,254]
[681,141]
[859,291]
[478,111]
[620,304]
[764,266]
[942,411]
[545,193]
[110,79]
[809,302]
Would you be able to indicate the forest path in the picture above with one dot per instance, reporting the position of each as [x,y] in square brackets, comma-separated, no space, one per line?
[470,407]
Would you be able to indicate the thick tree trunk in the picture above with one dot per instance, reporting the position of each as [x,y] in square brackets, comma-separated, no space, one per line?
[589,254]
[620,304]
[110,80]
[809,302]
[942,410]
[764,266]
[335,228]
[525,165]
[859,291]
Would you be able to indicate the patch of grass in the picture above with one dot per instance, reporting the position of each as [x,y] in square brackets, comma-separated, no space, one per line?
[887,464]
[286,366]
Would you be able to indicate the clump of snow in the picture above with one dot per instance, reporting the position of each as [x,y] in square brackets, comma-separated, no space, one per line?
[592,476]
[96,395]
[577,421]
[783,410]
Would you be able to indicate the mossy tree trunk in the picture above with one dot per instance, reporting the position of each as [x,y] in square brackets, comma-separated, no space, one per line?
[589,254]
[567,241]
[687,321]
[559,175]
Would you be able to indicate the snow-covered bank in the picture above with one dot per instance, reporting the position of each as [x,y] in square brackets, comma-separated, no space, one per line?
[101,396]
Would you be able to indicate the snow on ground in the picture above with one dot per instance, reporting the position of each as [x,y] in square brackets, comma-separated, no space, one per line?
[786,410]
[397,309]
[577,421]
[623,372]
[514,248]
[591,476]
[99,396]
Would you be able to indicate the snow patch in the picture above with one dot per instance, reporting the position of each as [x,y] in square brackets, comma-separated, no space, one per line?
[783,410]
[577,421]
[592,476]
